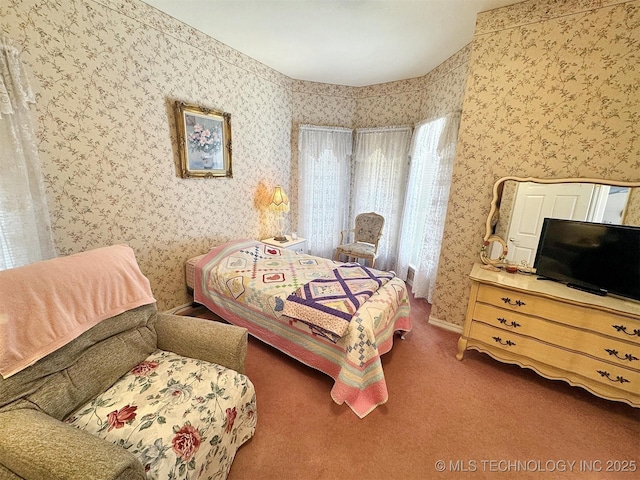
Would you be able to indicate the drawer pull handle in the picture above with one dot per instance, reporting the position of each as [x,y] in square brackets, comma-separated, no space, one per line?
[618,378]
[517,303]
[623,329]
[627,356]
[508,343]
[506,323]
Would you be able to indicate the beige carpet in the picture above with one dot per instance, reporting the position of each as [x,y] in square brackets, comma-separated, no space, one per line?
[479,417]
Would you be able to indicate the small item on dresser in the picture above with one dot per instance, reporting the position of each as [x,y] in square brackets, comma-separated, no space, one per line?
[491,268]
[524,268]
[511,268]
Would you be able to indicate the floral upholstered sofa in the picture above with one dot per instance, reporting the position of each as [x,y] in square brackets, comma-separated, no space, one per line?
[96,384]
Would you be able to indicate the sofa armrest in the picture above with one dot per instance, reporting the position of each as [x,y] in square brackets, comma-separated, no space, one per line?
[35,446]
[203,339]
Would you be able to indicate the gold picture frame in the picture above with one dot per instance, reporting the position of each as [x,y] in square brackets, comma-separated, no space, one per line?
[204,141]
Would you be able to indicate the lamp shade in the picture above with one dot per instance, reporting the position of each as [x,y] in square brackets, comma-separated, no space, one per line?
[279,200]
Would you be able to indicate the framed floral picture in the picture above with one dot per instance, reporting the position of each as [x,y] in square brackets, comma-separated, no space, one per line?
[204,141]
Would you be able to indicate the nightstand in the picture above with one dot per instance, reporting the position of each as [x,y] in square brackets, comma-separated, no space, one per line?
[298,245]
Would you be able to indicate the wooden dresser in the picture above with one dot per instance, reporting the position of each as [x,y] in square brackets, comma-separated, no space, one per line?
[561,333]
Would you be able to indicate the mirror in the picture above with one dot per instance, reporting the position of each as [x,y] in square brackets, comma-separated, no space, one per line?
[494,251]
[520,205]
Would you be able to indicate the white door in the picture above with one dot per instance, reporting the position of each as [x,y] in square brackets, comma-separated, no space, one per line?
[536,201]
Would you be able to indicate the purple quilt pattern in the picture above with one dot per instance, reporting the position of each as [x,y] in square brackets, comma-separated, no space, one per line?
[330,303]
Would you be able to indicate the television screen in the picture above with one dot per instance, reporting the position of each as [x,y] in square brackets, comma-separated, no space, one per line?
[596,257]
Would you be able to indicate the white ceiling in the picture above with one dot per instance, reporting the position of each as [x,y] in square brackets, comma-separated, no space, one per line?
[342,42]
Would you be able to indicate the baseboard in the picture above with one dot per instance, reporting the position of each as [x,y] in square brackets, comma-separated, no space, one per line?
[445,325]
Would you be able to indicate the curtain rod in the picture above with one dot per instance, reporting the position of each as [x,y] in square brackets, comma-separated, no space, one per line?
[325,129]
[400,128]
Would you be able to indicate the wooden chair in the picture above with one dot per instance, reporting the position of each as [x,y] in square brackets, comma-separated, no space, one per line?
[367,233]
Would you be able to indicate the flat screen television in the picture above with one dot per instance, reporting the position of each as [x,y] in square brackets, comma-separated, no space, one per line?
[596,257]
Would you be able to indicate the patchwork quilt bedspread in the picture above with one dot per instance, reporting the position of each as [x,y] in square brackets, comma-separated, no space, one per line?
[248,283]
[329,303]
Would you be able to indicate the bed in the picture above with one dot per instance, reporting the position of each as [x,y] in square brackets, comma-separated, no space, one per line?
[252,284]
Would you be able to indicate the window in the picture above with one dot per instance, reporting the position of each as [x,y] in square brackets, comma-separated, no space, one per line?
[420,187]
[425,208]
[25,231]
[379,183]
[323,187]
[412,198]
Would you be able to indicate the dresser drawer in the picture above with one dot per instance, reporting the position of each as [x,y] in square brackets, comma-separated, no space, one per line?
[617,326]
[575,364]
[619,352]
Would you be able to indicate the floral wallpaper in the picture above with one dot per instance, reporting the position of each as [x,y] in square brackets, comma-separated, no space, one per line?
[552,91]
[394,103]
[444,86]
[107,73]
[404,102]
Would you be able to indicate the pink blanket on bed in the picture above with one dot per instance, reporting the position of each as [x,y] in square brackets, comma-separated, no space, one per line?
[45,305]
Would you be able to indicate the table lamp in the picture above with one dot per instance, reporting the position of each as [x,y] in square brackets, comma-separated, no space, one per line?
[280,204]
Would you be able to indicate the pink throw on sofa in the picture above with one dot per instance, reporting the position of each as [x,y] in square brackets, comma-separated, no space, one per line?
[45,305]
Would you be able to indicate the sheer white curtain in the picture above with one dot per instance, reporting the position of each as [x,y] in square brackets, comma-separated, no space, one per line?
[422,170]
[379,182]
[324,164]
[25,228]
[432,156]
